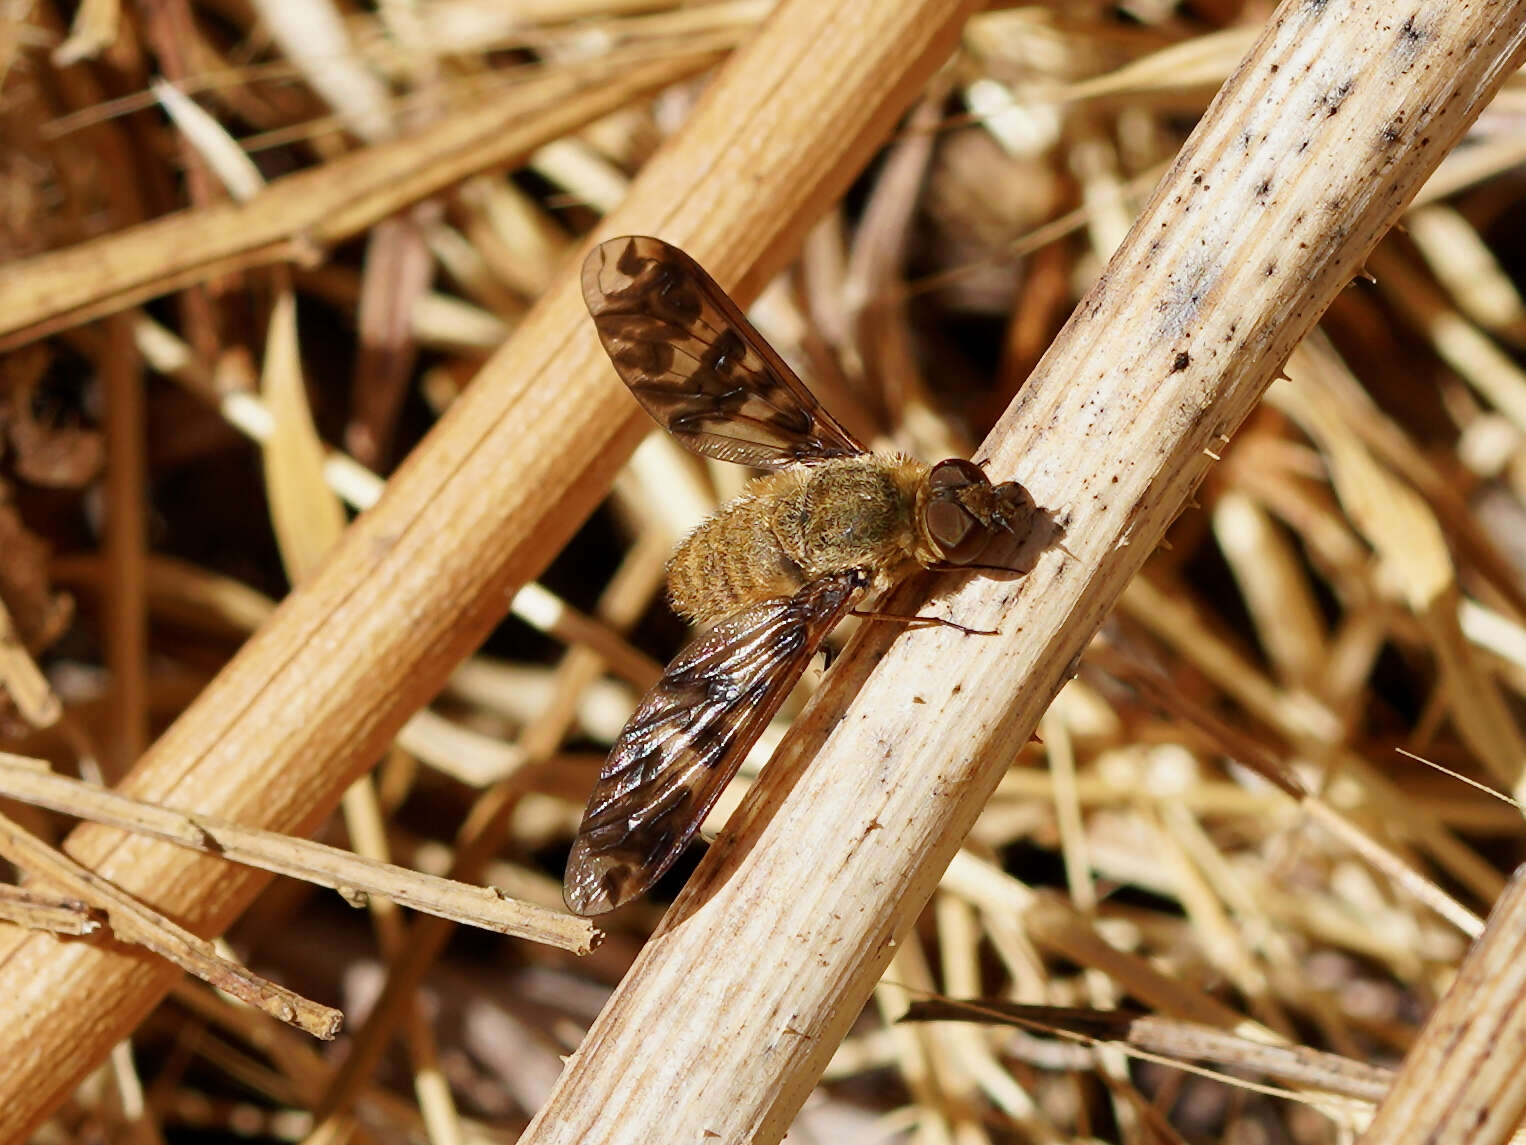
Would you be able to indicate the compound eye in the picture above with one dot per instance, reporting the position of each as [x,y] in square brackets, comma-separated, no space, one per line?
[958,535]
[954,474]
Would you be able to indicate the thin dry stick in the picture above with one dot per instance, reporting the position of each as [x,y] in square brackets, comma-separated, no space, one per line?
[126,543]
[1170,1038]
[132,922]
[1301,163]
[1294,1065]
[24,682]
[46,912]
[351,875]
[477,511]
[1464,1081]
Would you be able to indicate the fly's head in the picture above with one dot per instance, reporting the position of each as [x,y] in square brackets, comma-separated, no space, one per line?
[970,522]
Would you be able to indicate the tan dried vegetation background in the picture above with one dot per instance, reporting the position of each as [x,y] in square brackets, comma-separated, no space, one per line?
[1282,780]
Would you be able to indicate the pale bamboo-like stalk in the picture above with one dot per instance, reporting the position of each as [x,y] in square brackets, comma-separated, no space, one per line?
[475,512]
[1463,1081]
[1304,159]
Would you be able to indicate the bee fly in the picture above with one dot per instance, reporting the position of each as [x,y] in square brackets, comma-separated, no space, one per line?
[769,574]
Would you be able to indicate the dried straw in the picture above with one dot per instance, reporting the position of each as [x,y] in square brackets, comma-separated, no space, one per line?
[1275,659]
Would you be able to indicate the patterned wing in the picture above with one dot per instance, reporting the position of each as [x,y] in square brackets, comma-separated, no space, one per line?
[688,737]
[697,365]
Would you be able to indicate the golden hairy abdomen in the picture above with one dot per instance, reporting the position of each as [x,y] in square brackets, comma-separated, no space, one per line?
[791,527]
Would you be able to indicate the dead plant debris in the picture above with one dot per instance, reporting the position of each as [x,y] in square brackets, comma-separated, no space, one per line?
[252,254]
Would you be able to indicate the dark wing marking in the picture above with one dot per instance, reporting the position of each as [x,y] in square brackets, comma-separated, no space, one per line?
[689,735]
[697,365]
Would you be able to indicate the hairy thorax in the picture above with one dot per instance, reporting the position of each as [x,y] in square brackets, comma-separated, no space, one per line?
[793,526]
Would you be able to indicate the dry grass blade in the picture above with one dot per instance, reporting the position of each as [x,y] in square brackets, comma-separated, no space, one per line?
[308,518]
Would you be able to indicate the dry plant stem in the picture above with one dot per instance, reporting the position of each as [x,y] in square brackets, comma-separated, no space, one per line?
[1294,1065]
[126,543]
[1170,1038]
[46,912]
[1305,158]
[476,511]
[24,682]
[351,875]
[132,922]
[297,217]
[1464,1081]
